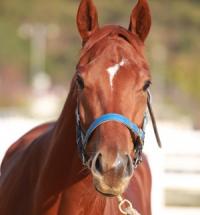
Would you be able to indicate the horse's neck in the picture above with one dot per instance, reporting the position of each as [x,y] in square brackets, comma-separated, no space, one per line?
[62,166]
[63,153]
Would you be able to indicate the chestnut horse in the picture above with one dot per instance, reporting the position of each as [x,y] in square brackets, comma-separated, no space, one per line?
[44,173]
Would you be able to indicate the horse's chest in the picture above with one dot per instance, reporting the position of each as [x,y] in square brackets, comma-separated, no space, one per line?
[88,203]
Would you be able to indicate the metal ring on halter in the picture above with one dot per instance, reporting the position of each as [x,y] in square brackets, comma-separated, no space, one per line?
[128,209]
[123,202]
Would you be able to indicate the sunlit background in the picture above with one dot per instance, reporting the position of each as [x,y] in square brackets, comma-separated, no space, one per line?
[39,48]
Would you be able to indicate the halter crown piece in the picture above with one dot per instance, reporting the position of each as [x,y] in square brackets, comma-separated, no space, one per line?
[83,138]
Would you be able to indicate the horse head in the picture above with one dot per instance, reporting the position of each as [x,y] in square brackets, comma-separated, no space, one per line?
[112,83]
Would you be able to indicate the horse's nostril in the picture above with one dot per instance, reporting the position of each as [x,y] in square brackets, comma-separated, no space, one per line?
[129,169]
[122,166]
[98,164]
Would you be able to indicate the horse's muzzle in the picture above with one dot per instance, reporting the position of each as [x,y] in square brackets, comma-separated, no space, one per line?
[111,178]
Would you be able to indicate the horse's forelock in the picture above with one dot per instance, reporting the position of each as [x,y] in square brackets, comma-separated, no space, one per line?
[111,31]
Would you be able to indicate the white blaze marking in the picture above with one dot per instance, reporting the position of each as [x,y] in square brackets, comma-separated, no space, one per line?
[112,71]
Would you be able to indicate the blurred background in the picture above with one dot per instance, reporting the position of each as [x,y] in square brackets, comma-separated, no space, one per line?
[39,49]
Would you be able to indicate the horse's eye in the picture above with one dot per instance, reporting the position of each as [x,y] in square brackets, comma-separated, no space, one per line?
[147,85]
[80,82]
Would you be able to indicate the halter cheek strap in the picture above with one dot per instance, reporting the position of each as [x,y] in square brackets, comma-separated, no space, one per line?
[153,120]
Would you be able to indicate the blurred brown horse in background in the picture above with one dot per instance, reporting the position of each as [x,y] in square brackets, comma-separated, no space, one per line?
[42,173]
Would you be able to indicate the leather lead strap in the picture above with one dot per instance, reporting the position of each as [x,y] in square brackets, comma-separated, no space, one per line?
[153,120]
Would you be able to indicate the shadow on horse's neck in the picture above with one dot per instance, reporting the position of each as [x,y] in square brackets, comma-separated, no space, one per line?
[62,166]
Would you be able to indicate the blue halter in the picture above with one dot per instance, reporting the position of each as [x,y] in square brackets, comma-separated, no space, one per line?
[117,118]
[83,138]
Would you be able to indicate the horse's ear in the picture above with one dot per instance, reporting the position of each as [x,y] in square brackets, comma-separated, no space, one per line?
[140,22]
[87,19]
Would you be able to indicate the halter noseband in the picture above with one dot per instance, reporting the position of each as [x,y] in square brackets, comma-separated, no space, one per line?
[82,137]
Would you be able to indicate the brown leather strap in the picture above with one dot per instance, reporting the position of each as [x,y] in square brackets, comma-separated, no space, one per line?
[155,128]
